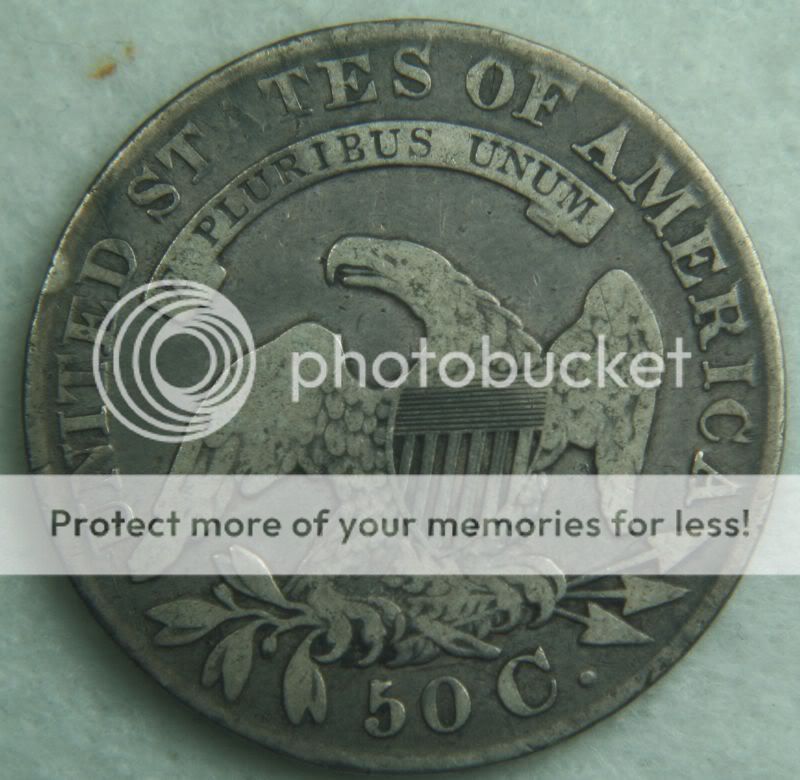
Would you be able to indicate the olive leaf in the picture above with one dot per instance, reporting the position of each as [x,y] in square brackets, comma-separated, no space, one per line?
[339,635]
[232,661]
[186,620]
[350,618]
[259,586]
[303,686]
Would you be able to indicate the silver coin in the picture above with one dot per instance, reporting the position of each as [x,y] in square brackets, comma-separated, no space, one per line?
[452,180]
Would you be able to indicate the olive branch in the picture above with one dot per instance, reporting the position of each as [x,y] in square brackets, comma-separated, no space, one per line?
[454,615]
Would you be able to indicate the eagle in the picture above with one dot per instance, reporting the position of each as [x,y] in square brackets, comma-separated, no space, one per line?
[347,428]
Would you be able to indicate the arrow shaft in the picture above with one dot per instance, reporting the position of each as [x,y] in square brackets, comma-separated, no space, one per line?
[599,594]
[565,613]
[583,580]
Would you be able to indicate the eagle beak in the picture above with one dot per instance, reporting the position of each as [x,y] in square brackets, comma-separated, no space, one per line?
[350,258]
[331,270]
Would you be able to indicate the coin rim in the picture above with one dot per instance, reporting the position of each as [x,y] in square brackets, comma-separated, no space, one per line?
[37,357]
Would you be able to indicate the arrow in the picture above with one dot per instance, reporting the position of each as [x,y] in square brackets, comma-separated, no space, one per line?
[638,593]
[584,580]
[604,628]
[667,551]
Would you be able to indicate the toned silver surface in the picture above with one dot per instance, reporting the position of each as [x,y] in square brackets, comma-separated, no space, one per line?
[386,181]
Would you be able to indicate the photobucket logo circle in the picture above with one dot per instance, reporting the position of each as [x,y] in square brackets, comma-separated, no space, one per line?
[149,403]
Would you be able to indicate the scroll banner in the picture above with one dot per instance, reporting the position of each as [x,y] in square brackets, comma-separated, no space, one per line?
[558,201]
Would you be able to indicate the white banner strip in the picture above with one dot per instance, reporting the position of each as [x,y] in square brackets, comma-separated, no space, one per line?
[399,525]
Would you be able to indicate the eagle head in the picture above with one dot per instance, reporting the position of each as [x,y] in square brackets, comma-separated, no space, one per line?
[456,312]
[413,273]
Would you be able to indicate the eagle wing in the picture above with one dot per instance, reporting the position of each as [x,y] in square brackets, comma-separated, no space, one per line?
[328,429]
[613,420]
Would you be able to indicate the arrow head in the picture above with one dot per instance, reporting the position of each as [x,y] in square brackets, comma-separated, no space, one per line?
[642,593]
[605,628]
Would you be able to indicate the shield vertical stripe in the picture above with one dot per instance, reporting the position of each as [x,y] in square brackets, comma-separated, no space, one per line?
[470,430]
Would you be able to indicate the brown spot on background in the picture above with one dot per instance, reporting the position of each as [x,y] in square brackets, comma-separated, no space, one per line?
[104,70]
[108,65]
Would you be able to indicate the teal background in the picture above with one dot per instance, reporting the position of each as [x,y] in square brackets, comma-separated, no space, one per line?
[725,75]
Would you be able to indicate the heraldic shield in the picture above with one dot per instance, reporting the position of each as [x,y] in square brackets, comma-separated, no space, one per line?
[467,430]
